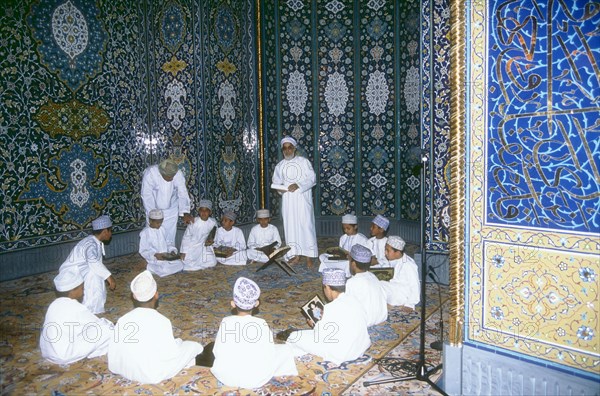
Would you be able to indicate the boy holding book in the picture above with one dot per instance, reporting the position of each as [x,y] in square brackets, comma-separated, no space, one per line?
[162,258]
[341,334]
[230,244]
[404,289]
[264,238]
[350,238]
[365,286]
[377,242]
[196,250]
[244,352]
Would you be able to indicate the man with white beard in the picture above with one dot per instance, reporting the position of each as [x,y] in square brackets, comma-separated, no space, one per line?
[163,187]
[294,178]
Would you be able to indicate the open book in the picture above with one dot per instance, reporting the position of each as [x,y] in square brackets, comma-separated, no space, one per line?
[337,253]
[277,258]
[383,274]
[280,187]
[170,256]
[313,309]
[268,249]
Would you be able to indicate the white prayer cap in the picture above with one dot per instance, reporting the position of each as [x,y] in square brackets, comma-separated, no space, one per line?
[381,221]
[396,242]
[143,286]
[205,203]
[230,215]
[101,223]
[263,213]
[156,214]
[334,277]
[68,279]
[245,293]
[349,219]
[360,253]
[289,139]
[168,168]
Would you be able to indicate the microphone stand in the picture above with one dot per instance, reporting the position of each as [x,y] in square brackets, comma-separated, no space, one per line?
[438,345]
[422,373]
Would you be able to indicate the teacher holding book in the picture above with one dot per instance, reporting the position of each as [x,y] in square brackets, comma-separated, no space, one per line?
[294,179]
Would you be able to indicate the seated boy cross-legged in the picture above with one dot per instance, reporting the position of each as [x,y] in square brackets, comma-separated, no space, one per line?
[244,352]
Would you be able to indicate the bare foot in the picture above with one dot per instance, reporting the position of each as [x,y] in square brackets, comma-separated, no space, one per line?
[309,262]
[294,260]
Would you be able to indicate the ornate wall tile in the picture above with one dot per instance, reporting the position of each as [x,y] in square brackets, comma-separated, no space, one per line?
[532,286]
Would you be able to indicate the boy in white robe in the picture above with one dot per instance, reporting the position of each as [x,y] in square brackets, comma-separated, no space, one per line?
[230,241]
[404,289]
[341,334]
[196,250]
[71,332]
[377,242]
[163,187]
[87,257]
[155,250]
[365,286]
[143,348]
[261,235]
[350,238]
[245,354]
[294,178]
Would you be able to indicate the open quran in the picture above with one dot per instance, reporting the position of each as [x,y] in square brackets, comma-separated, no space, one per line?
[224,251]
[170,256]
[268,249]
[383,274]
[337,253]
[277,257]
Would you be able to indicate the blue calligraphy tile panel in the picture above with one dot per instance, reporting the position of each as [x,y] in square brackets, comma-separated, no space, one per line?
[544,117]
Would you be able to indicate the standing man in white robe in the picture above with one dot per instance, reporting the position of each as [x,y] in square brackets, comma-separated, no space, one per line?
[377,242]
[163,187]
[350,238]
[196,247]
[87,257]
[294,178]
[245,354]
[341,334]
[143,348]
[261,235]
[71,332]
[230,239]
[365,286]
[155,249]
[404,289]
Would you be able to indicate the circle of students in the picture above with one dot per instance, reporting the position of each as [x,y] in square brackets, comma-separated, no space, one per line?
[141,345]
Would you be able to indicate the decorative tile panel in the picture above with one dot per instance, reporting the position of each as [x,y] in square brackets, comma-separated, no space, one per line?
[533,232]
[378,132]
[336,107]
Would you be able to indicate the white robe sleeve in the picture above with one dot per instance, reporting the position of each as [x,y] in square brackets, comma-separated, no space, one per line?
[183,197]
[309,179]
[146,192]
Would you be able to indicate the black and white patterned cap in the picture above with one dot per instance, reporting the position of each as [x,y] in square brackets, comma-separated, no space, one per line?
[245,293]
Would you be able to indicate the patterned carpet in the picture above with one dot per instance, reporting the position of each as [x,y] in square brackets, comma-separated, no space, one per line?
[195,302]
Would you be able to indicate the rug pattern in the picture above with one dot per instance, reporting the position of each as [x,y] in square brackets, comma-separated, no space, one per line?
[195,303]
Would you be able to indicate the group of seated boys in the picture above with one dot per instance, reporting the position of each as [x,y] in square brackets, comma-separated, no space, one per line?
[141,345]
